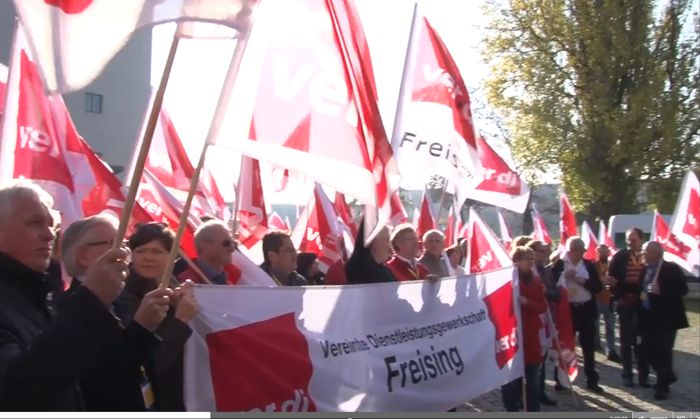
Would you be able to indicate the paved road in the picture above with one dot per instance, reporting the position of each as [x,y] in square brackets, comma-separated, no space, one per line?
[685,393]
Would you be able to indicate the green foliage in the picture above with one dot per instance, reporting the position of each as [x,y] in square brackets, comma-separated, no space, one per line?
[602,91]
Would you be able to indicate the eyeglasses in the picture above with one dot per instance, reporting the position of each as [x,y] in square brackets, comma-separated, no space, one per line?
[100,243]
[229,243]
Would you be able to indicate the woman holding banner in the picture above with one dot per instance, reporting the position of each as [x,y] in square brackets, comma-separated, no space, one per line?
[532,304]
[150,245]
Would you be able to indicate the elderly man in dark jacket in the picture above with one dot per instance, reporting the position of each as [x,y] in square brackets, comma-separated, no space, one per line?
[661,314]
[43,356]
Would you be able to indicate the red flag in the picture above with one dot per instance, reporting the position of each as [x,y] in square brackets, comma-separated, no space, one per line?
[540,229]
[344,213]
[296,86]
[506,237]
[398,212]
[604,237]
[590,241]
[451,228]
[485,251]
[31,147]
[674,249]
[425,220]
[567,220]
[3,87]
[252,215]
[169,163]
[75,39]
[275,222]
[317,230]
[685,225]
[162,206]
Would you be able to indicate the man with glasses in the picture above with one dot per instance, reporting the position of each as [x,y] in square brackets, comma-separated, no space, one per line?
[280,259]
[403,264]
[214,246]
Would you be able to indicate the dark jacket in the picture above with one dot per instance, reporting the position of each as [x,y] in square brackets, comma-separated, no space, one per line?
[165,367]
[667,310]
[114,384]
[593,284]
[43,356]
[361,268]
[293,279]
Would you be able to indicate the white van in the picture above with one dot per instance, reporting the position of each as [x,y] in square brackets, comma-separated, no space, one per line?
[618,224]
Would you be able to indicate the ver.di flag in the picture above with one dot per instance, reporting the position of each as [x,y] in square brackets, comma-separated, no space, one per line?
[410,346]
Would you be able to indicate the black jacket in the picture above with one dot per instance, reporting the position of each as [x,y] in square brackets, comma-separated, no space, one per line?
[667,310]
[43,356]
[361,268]
[114,384]
[593,285]
[165,367]
[294,279]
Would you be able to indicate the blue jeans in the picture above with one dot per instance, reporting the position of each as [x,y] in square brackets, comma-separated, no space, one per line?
[512,392]
[606,310]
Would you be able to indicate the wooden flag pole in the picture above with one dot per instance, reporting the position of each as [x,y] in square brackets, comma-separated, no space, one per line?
[217,118]
[145,144]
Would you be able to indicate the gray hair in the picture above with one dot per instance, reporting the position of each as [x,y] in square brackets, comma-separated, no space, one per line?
[433,232]
[74,237]
[18,189]
[205,232]
[653,246]
[575,241]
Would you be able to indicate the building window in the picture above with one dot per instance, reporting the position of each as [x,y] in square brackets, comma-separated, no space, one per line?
[93,103]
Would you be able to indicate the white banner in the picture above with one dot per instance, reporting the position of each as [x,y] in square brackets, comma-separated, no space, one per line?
[409,346]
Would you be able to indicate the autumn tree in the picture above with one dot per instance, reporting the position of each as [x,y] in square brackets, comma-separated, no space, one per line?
[605,92]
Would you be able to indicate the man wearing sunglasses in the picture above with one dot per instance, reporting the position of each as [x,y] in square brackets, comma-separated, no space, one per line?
[214,246]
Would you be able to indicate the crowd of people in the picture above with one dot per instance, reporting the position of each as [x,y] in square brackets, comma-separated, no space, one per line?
[113,339]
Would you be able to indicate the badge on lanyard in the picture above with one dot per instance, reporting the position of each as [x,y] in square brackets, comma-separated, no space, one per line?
[147,391]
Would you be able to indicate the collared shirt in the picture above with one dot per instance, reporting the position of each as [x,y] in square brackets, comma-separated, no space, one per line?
[216,277]
[413,262]
[648,282]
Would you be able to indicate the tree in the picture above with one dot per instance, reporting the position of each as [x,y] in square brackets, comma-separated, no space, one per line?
[602,91]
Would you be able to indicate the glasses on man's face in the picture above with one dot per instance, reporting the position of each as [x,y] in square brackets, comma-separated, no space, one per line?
[229,243]
[100,243]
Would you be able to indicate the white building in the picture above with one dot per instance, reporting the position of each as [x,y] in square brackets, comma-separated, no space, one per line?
[109,112]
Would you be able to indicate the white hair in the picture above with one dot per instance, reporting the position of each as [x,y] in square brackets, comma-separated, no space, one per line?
[74,237]
[205,232]
[433,232]
[18,189]
[575,240]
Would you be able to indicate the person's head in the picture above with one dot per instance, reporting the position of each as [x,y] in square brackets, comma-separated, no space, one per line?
[575,248]
[454,254]
[523,258]
[603,252]
[150,247]
[307,264]
[214,244]
[85,241]
[26,225]
[634,238]
[380,247]
[653,252]
[404,241]
[541,253]
[521,241]
[279,252]
[434,242]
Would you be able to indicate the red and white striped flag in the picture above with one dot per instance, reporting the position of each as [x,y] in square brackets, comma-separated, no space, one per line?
[485,253]
[685,224]
[674,249]
[75,39]
[506,237]
[539,227]
[303,77]
[275,222]
[252,214]
[317,230]
[590,241]
[604,237]
[425,220]
[398,212]
[567,219]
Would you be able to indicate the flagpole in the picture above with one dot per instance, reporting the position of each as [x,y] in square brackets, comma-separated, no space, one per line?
[217,119]
[146,144]
[404,88]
